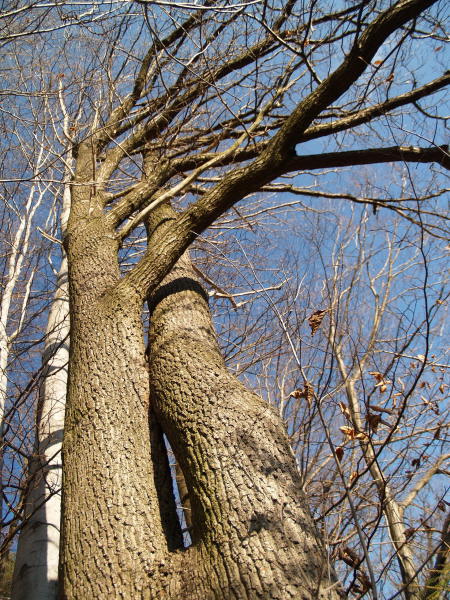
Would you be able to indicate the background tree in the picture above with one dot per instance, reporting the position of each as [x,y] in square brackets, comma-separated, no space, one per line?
[25,271]
[377,414]
[34,404]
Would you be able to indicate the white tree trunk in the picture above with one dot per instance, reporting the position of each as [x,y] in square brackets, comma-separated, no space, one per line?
[36,569]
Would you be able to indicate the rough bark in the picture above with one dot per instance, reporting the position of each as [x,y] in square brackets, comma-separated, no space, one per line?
[113,530]
[252,534]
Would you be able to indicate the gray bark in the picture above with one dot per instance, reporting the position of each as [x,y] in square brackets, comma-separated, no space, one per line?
[251,527]
[115,530]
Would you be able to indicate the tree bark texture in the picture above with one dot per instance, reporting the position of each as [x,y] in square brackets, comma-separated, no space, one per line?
[113,530]
[252,534]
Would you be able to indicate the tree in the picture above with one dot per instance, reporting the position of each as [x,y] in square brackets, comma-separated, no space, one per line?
[37,558]
[34,403]
[382,405]
[181,129]
[25,258]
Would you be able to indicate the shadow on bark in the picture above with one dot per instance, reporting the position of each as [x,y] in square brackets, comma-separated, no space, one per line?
[253,536]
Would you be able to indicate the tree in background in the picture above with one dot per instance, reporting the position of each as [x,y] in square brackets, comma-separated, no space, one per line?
[215,111]
[355,371]
[25,257]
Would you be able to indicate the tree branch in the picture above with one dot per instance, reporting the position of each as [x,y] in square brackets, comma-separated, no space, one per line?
[369,156]
[345,75]
[277,158]
[422,482]
[115,120]
[366,115]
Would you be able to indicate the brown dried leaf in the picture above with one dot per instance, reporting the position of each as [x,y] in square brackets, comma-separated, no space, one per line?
[381,382]
[307,392]
[349,556]
[378,376]
[339,453]
[373,421]
[352,434]
[409,532]
[344,410]
[348,432]
[315,320]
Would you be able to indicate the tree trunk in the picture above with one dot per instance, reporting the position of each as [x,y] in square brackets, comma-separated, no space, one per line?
[36,568]
[252,534]
[113,528]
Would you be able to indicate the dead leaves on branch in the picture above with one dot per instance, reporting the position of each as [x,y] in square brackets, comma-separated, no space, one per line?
[352,434]
[372,420]
[381,382]
[307,392]
[315,320]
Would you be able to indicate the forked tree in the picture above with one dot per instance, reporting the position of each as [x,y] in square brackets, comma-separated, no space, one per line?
[215,110]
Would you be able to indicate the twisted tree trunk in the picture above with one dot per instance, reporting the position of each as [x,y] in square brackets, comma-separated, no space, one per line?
[252,534]
[253,537]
